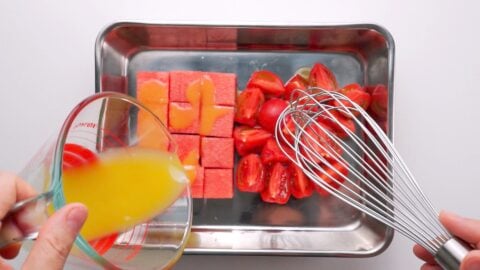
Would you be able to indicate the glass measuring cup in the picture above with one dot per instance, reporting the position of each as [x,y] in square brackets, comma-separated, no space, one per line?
[115,156]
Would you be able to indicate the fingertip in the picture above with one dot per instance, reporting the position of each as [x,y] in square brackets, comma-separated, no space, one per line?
[423,254]
[417,249]
[445,214]
[461,227]
[471,261]
[56,237]
[76,216]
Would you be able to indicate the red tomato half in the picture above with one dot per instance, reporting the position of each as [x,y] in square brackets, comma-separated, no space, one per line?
[296,82]
[247,106]
[250,174]
[321,76]
[330,176]
[320,143]
[271,153]
[278,185]
[287,129]
[379,101]
[357,94]
[302,187]
[248,140]
[336,121]
[75,155]
[269,113]
[268,82]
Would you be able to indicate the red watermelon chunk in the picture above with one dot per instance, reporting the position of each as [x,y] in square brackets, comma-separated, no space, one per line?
[188,147]
[183,118]
[217,152]
[188,151]
[224,84]
[153,75]
[218,184]
[152,92]
[225,87]
[153,88]
[198,184]
[179,83]
[220,125]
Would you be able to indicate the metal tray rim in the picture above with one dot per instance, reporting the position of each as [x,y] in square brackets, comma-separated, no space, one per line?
[389,233]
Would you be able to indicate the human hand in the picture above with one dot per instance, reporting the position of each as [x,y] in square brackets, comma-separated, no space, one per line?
[463,228]
[56,236]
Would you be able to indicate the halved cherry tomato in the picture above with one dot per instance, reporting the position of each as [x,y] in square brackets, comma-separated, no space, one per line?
[247,106]
[383,124]
[331,177]
[319,142]
[302,187]
[75,155]
[251,174]
[278,185]
[287,129]
[269,113]
[248,140]
[268,82]
[336,121]
[271,152]
[321,76]
[296,82]
[379,101]
[357,94]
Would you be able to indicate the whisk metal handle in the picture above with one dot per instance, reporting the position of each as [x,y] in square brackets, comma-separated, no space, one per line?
[452,253]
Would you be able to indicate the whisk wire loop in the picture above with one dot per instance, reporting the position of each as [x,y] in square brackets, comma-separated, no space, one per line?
[378,182]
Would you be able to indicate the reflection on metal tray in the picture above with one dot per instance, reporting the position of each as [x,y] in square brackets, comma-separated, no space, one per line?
[245,225]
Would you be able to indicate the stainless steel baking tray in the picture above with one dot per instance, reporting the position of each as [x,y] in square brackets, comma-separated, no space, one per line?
[315,226]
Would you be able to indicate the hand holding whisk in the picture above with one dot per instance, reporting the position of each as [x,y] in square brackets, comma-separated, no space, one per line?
[359,165]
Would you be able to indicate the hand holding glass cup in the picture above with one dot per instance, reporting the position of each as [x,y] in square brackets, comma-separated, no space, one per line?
[117,158]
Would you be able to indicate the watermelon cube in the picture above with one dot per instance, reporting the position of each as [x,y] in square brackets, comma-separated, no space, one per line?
[217,152]
[197,184]
[224,86]
[183,118]
[216,121]
[188,148]
[188,151]
[153,86]
[218,183]
[149,135]
[180,81]
[152,91]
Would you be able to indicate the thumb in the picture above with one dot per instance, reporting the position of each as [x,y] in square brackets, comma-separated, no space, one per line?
[56,238]
[464,228]
[471,261]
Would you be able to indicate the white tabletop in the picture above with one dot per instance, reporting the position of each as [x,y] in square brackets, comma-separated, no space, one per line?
[47,65]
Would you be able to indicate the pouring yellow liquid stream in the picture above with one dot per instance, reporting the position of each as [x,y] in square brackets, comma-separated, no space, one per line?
[124,188]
